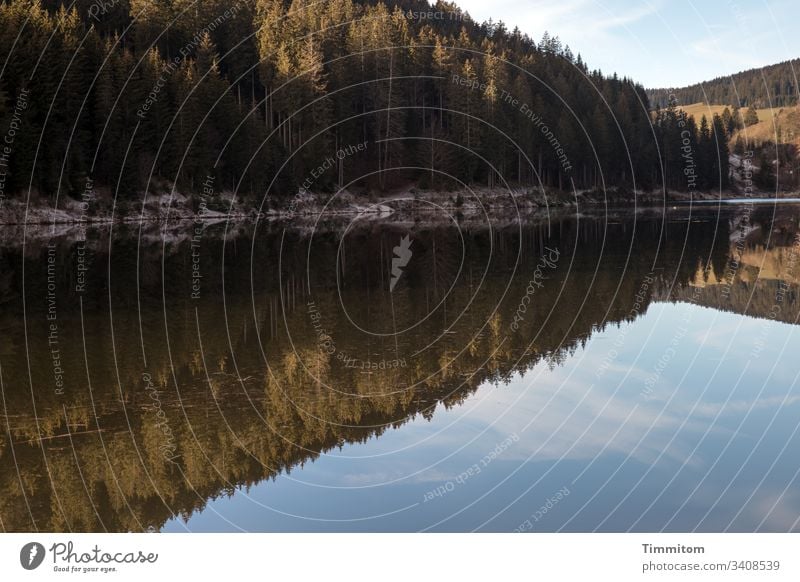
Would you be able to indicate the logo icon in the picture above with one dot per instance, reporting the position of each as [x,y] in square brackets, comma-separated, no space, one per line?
[402,254]
[31,555]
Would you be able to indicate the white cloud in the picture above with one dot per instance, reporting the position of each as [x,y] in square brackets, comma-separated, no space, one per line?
[655,42]
[571,20]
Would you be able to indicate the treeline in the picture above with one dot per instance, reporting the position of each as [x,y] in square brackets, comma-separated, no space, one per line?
[258,95]
[765,87]
[695,156]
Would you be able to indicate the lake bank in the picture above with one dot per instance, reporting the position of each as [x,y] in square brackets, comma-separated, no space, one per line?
[481,202]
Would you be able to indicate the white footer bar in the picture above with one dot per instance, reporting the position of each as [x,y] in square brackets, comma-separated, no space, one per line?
[402,557]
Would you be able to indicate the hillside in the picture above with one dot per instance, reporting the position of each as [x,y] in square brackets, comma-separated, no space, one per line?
[779,124]
[772,136]
[697,110]
[264,98]
[776,124]
[765,87]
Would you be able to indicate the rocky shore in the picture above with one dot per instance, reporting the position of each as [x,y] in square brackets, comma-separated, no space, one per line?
[41,217]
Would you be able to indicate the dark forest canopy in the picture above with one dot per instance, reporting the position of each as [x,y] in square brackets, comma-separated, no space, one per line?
[257,96]
[765,87]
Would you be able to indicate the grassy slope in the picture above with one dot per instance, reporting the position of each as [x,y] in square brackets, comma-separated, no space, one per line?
[787,118]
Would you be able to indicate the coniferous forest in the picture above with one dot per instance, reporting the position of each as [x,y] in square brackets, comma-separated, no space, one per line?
[254,96]
[764,87]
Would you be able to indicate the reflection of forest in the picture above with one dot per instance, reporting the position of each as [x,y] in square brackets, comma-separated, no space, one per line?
[260,394]
[761,277]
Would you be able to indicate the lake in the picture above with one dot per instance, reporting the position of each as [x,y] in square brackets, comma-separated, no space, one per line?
[594,371]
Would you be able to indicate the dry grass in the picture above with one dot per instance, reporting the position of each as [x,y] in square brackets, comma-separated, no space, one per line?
[786,123]
[699,109]
[770,121]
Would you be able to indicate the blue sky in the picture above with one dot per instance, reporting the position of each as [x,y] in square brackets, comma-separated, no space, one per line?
[660,43]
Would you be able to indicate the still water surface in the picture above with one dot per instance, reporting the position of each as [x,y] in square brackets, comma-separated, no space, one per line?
[612,372]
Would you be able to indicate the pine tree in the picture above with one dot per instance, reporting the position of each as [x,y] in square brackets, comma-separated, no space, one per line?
[765,176]
[750,116]
[721,165]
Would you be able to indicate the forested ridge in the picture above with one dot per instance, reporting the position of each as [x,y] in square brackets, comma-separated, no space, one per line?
[764,87]
[257,96]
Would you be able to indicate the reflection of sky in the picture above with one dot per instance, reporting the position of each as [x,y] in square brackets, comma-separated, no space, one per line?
[712,446]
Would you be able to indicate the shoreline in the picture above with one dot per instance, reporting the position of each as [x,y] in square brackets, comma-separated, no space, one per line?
[494,203]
